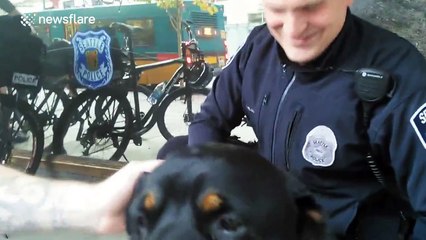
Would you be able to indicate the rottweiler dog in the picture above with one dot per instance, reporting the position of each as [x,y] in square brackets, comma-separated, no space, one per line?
[222,192]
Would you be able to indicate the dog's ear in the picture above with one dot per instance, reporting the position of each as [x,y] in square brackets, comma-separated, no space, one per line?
[311,223]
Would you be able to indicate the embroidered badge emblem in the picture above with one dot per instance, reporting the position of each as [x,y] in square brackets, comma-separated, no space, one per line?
[418,121]
[92,58]
[320,146]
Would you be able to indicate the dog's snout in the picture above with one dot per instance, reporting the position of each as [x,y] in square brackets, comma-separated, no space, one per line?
[175,222]
[176,230]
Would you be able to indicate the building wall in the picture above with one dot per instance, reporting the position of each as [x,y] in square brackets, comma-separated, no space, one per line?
[236,35]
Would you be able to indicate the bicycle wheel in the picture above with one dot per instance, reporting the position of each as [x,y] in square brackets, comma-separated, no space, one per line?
[49,104]
[22,141]
[174,115]
[144,106]
[81,132]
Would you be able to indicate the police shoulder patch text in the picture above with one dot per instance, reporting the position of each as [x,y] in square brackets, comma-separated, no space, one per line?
[418,122]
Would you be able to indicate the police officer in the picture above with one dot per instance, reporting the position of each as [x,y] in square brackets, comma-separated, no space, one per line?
[294,79]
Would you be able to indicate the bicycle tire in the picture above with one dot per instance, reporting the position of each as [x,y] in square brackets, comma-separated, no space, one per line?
[50,110]
[23,116]
[165,118]
[97,130]
[144,93]
[144,107]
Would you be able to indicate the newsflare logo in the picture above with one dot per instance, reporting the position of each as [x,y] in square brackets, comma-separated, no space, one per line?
[28,19]
[32,19]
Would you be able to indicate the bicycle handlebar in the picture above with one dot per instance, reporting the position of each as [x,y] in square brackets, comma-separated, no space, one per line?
[186,24]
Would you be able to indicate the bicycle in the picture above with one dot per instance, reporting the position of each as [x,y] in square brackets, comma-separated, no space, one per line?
[112,121]
[20,117]
[50,97]
[49,102]
[20,68]
[54,94]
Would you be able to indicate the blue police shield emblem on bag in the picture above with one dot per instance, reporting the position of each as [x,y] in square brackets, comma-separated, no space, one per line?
[92,58]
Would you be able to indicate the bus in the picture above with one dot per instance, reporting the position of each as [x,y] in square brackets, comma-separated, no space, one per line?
[157,41]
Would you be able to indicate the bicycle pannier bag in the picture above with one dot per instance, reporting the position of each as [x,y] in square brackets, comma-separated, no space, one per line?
[21,54]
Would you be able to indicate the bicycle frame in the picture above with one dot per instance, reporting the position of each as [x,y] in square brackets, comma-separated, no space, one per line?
[150,115]
[149,119]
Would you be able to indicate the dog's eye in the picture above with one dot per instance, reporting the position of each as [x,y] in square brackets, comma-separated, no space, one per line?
[150,201]
[211,202]
[229,223]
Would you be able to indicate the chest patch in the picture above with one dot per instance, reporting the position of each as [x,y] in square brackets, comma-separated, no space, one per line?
[320,146]
[418,121]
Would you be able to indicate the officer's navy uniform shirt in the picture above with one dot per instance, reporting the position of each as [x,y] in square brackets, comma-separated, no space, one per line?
[307,119]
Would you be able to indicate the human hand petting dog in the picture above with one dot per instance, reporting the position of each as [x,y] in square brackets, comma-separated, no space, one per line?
[114,194]
[222,192]
[29,203]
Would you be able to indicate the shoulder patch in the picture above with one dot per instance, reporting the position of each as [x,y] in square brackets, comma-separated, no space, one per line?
[418,121]
[320,146]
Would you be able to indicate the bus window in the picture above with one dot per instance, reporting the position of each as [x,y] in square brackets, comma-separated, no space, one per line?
[69,30]
[98,24]
[205,24]
[102,23]
[144,37]
[43,32]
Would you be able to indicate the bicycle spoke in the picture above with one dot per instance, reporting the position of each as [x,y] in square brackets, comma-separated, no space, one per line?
[177,112]
[98,133]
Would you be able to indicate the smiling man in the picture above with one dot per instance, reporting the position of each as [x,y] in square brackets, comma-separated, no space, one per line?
[304,29]
[300,79]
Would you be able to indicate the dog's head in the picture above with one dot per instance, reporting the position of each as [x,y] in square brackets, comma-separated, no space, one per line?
[221,192]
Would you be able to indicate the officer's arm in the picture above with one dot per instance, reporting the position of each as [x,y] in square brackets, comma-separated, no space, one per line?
[219,113]
[404,142]
[222,111]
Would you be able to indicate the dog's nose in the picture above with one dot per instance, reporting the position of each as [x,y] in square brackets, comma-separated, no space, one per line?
[176,222]
[173,232]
